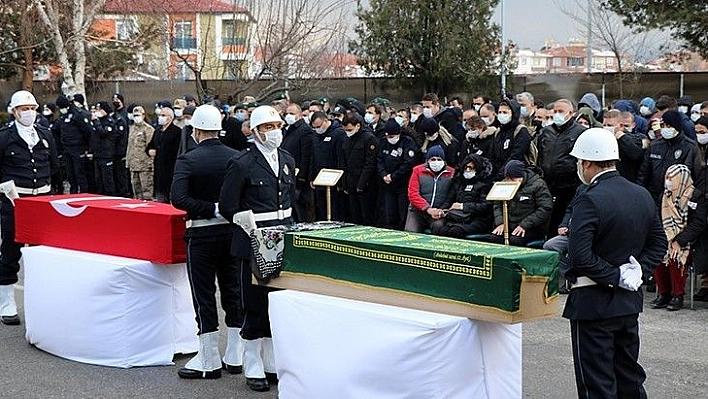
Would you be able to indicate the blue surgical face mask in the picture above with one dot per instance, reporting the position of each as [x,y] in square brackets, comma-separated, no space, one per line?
[369,118]
[504,118]
[559,119]
[468,175]
[399,120]
[240,116]
[524,111]
[668,133]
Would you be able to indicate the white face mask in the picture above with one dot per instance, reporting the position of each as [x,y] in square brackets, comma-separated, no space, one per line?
[469,175]
[64,111]
[487,120]
[436,166]
[546,123]
[27,118]
[399,120]
[320,130]
[559,119]
[369,118]
[414,117]
[477,107]
[504,118]
[668,133]
[162,120]
[524,111]
[580,172]
[682,109]
[393,140]
[273,139]
[290,119]
[178,113]
[427,112]
[472,134]
[47,112]
[644,110]
[695,117]
[351,133]
[131,117]
[433,137]
[610,129]
[702,138]
[138,119]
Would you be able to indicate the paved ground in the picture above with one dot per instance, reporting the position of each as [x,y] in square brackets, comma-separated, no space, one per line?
[674,353]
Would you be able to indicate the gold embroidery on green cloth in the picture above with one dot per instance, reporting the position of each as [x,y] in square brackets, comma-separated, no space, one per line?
[482,272]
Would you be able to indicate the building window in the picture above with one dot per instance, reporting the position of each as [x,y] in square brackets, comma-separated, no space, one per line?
[233,33]
[575,61]
[610,61]
[183,37]
[183,71]
[538,62]
[556,62]
[126,29]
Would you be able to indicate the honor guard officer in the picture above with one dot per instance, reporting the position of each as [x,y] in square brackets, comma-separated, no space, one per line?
[616,238]
[196,185]
[28,157]
[261,179]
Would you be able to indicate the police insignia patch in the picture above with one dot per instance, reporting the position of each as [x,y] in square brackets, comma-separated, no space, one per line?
[286,170]
[677,154]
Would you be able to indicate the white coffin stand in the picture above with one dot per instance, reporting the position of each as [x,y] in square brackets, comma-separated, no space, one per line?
[328,347]
[107,310]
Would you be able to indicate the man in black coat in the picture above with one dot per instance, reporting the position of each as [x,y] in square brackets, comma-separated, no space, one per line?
[199,175]
[163,148]
[260,179]
[75,129]
[230,133]
[297,140]
[359,165]
[103,147]
[327,150]
[610,249]
[398,154]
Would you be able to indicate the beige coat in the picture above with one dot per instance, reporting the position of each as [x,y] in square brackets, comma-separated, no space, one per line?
[137,160]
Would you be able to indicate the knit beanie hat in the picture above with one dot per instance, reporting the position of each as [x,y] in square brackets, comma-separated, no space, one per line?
[392,127]
[435,151]
[673,119]
[514,168]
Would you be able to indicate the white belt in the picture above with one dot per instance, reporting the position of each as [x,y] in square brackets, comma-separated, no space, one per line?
[275,215]
[34,191]
[582,282]
[206,222]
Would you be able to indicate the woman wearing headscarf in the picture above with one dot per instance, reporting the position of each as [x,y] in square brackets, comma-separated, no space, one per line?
[676,203]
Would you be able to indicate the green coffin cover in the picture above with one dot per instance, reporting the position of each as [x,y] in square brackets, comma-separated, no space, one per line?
[469,272]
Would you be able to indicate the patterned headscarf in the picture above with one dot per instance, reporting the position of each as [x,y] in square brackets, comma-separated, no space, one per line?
[678,189]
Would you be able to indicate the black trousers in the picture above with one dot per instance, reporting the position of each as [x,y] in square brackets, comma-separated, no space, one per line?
[395,208]
[104,177]
[605,354]
[76,168]
[362,207]
[122,177]
[561,200]
[9,250]
[254,299]
[209,260]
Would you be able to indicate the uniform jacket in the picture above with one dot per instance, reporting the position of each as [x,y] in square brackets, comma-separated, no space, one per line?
[428,189]
[103,141]
[139,135]
[75,130]
[251,184]
[397,160]
[602,238]
[531,207]
[359,161]
[327,149]
[121,138]
[28,169]
[554,145]
[166,143]
[297,140]
[659,156]
[196,186]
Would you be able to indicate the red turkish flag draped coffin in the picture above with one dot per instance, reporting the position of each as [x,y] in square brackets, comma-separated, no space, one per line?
[124,227]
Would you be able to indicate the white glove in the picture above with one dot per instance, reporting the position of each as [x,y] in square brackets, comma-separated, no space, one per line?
[631,275]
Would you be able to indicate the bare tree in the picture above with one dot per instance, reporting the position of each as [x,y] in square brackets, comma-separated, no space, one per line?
[627,46]
[295,44]
[69,37]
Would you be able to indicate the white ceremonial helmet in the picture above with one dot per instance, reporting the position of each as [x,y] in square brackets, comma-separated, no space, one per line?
[596,144]
[264,114]
[22,97]
[206,117]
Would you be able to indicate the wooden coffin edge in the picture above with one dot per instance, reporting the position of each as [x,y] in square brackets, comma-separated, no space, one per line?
[534,302]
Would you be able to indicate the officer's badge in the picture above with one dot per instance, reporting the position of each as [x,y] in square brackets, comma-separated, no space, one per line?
[411,154]
[677,154]
[373,147]
[506,144]
[110,129]
[86,120]
[286,170]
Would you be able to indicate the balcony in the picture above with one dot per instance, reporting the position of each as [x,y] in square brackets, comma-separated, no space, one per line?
[233,48]
[233,41]
[184,43]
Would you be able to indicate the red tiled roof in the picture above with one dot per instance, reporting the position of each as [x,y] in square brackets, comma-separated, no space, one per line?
[171,6]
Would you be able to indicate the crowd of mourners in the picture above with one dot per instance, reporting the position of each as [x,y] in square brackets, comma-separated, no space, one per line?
[427,167]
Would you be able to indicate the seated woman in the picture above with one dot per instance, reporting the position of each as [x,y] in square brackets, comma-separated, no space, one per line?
[470,213]
[529,210]
[429,191]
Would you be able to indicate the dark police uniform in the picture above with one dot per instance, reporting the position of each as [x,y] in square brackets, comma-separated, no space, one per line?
[199,175]
[327,149]
[398,161]
[297,140]
[120,171]
[613,220]
[75,131]
[359,179]
[31,170]
[103,148]
[251,184]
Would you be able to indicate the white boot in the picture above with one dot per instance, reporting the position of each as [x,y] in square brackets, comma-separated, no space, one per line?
[207,363]
[8,307]
[253,365]
[233,358]
[269,361]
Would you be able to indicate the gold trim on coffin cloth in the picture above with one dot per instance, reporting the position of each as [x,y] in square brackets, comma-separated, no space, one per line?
[483,272]
[393,297]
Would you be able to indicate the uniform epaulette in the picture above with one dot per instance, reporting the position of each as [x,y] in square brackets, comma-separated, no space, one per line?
[242,153]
